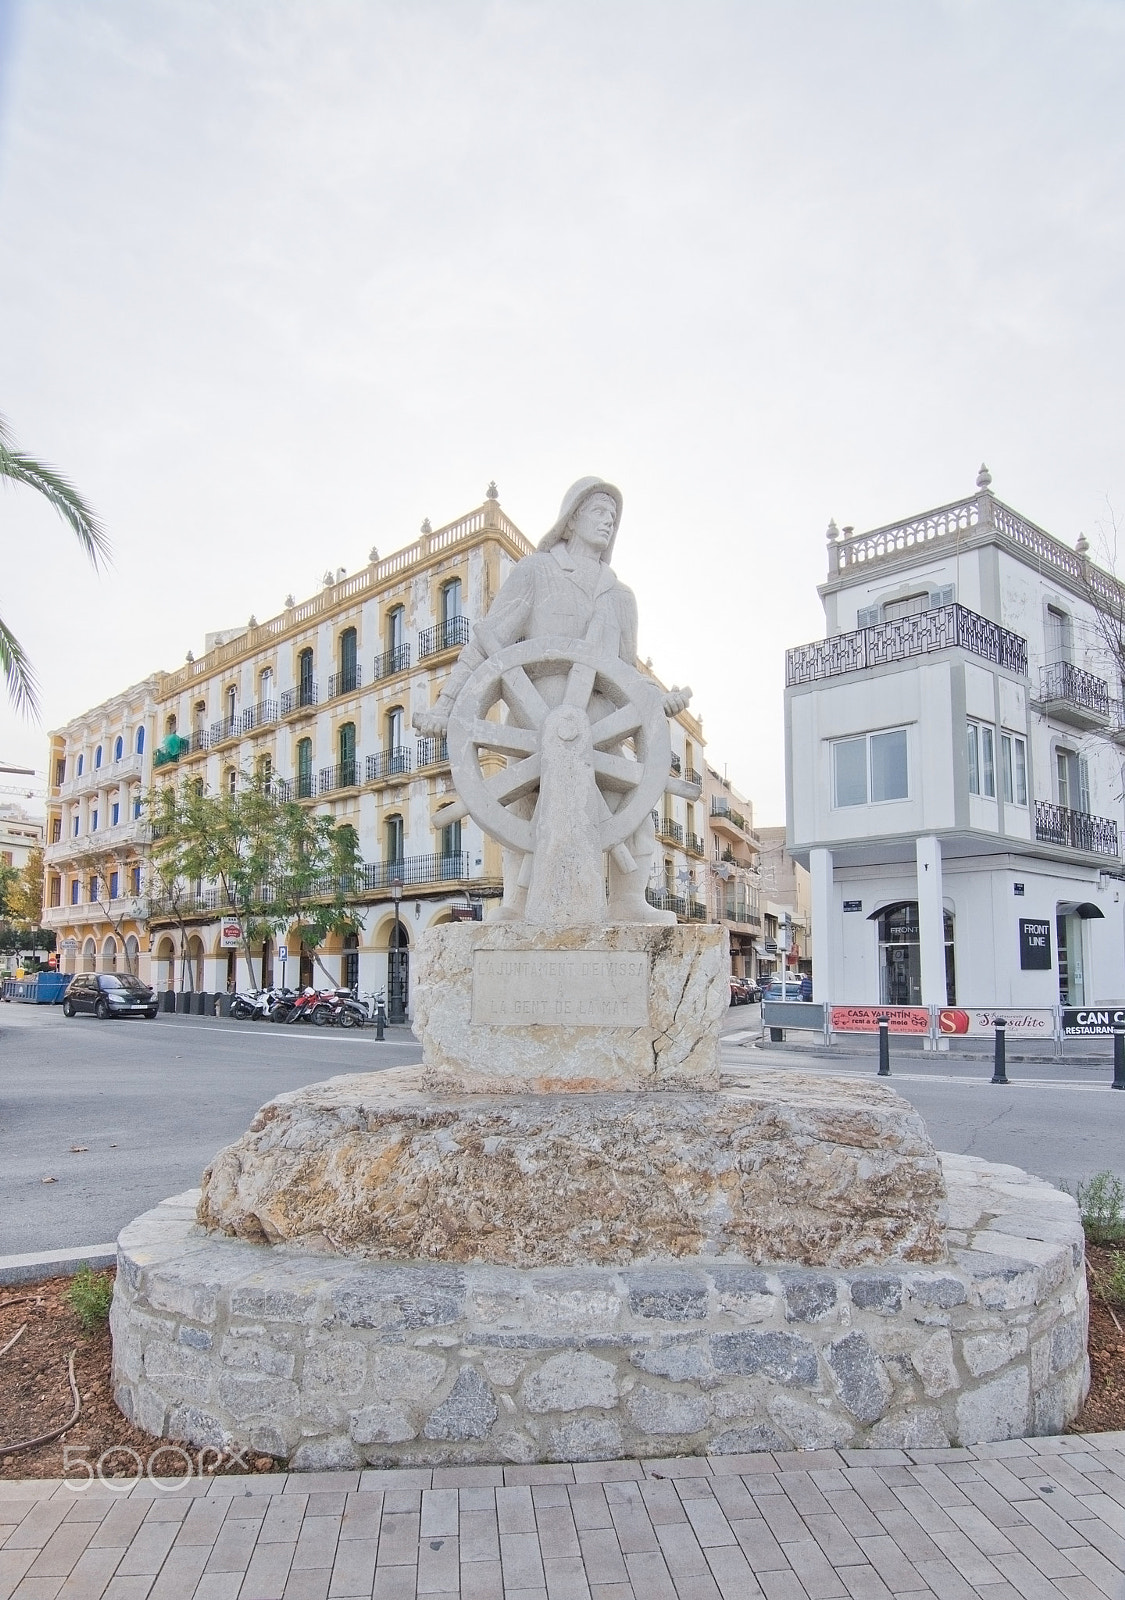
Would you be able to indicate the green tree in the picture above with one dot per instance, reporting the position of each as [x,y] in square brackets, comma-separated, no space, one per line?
[23,900]
[9,879]
[15,467]
[274,861]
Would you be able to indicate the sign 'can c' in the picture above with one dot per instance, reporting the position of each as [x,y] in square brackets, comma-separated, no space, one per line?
[230,935]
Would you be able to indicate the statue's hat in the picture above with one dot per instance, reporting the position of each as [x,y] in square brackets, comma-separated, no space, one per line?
[572,499]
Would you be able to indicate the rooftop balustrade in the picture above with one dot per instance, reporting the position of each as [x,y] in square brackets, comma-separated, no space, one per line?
[943,628]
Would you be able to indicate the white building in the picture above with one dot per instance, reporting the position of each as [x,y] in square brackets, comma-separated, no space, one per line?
[953,766]
[19,836]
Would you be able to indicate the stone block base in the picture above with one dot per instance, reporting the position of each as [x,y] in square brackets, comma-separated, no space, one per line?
[331,1362]
[504,1007]
[785,1167]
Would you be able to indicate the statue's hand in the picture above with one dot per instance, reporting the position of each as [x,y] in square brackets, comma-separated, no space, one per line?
[431,724]
[676,699]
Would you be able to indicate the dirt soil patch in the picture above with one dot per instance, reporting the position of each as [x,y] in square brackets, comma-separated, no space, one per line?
[36,1398]
[35,1394]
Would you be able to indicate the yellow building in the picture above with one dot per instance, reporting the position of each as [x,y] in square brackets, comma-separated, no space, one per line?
[320,698]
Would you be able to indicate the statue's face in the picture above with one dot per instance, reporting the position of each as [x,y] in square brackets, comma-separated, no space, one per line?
[592,524]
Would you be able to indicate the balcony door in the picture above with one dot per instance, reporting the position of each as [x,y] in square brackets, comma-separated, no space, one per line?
[1072,971]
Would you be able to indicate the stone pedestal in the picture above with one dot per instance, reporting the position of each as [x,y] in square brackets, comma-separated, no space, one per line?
[815,1171]
[511,1007]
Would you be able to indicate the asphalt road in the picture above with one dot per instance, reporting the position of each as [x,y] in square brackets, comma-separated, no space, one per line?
[152,1102]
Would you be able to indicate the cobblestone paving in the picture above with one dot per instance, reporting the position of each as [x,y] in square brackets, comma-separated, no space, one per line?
[1034,1519]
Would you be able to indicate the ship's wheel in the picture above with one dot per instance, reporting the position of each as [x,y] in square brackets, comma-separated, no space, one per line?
[503,803]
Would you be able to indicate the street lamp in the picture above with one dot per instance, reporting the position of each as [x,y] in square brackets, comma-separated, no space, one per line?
[396,1011]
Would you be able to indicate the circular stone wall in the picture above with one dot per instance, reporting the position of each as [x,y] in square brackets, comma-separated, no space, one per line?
[332,1362]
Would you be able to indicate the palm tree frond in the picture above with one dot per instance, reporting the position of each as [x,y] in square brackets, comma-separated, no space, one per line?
[69,504]
[22,687]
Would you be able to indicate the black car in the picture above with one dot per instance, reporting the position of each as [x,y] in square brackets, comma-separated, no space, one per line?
[106,994]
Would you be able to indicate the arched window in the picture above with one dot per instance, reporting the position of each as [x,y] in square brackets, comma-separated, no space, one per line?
[98,757]
[451,851]
[347,677]
[81,764]
[89,956]
[393,833]
[232,707]
[304,769]
[232,780]
[451,600]
[306,688]
[197,785]
[170,724]
[118,748]
[140,741]
[349,965]
[109,956]
[132,954]
[396,629]
[394,727]
[347,774]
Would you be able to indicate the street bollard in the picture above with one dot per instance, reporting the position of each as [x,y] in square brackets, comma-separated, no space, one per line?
[999,1070]
[1118,1055]
[380,1018]
[884,1046]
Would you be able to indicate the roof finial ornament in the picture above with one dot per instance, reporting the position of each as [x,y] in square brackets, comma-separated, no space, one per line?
[492,492]
[373,554]
[189,657]
[984,477]
[328,580]
[253,623]
[832,532]
[426,525]
[1083,545]
[290,602]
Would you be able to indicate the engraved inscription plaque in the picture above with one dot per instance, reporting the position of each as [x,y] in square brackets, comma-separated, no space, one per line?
[560,988]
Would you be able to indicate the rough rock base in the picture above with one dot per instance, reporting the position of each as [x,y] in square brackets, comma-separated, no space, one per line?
[507,1007]
[786,1167]
[334,1362]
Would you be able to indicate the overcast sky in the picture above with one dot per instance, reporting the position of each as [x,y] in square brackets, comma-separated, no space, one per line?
[280,278]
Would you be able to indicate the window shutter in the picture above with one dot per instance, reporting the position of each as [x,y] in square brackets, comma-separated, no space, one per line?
[941,597]
[868,617]
[1083,784]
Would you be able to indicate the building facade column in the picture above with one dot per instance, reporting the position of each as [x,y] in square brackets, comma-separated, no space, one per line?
[825,929]
[931,921]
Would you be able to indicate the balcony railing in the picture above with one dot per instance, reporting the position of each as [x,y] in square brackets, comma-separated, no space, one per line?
[433,752]
[664,900]
[1075,830]
[345,682]
[415,870]
[692,776]
[726,813]
[695,843]
[345,775]
[171,750]
[388,763]
[304,786]
[666,828]
[200,740]
[677,766]
[453,631]
[228,728]
[1062,681]
[944,628]
[259,716]
[298,699]
[390,662]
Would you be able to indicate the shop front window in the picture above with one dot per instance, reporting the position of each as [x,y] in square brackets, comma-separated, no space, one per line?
[900,956]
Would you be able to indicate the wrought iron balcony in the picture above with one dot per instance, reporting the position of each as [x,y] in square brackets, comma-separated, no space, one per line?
[943,628]
[664,900]
[259,716]
[413,871]
[1075,830]
[304,786]
[299,699]
[170,750]
[723,811]
[345,682]
[1074,696]
[695,844]
[453,631]
[677,765]
[227,728]
[668,829]
[390,763]
[345,775]
[200,740]
[390,662]
[692,776]
[433,752]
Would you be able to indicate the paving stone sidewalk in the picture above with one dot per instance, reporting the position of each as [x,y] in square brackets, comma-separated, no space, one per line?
[1035,1519]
